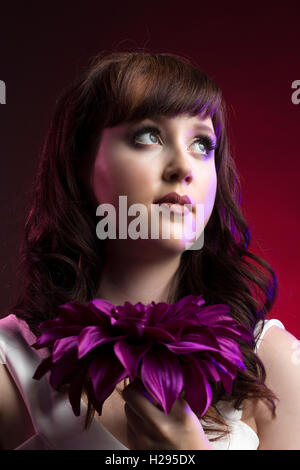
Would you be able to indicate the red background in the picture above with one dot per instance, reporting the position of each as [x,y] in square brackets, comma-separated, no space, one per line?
[251,51]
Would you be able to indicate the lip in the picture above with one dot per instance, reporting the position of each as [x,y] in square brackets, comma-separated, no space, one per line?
[177,208]
[174,198]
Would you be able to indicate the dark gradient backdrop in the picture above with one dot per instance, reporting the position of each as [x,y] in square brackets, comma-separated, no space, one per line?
[251,51]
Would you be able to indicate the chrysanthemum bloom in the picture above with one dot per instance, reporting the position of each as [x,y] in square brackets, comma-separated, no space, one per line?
[176,348]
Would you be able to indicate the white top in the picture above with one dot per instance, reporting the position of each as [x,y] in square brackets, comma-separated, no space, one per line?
[56,426]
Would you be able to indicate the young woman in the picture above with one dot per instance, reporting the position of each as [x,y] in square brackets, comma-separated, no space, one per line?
[143,125]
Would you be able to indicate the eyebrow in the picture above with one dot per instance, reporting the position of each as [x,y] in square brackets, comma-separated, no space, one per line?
[195,127]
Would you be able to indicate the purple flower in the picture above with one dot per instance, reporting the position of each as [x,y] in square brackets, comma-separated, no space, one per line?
[182,347]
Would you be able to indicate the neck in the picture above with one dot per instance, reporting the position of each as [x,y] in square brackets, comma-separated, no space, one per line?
[137,275]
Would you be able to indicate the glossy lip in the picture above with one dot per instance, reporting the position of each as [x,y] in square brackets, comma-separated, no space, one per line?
[177,208]
[174,198]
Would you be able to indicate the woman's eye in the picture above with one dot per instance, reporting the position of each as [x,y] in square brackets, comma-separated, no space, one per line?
[201,147]
[205,145]
[152,139]
[151,135]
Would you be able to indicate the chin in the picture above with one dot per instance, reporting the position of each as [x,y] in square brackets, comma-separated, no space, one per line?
[172,244]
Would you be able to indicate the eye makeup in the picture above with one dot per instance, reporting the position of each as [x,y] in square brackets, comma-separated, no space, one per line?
[144,130]
[206,140]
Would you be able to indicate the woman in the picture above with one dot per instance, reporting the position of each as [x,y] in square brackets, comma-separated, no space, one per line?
[143,125]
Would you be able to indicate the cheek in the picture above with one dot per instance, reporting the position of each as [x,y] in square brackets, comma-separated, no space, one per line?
[208,193]
[111,177]
[138,183]
[211,193]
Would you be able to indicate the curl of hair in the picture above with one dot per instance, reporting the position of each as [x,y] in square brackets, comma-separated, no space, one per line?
[59,230]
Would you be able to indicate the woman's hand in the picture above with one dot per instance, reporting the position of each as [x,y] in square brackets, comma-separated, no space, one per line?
[149,428]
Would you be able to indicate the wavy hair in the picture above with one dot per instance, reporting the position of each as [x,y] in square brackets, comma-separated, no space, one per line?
[59,232]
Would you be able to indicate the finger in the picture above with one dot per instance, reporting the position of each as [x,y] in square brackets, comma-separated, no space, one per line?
[138,442]
[139,435]
[180,410]
[134,396]
[137,423]
[134,421]
[132,436]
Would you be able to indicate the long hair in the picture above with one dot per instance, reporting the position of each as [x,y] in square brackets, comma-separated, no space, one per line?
[59,230]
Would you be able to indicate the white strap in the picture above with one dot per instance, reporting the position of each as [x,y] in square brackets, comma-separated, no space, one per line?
[268,324]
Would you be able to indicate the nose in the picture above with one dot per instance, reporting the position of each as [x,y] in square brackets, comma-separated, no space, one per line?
[178,168]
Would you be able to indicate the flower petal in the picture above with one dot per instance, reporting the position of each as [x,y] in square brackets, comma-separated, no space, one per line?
[210,370]
[226,378]
[75,313]
[233,331]
[130,356]
[43,368]
[202,336]
[106,372]
[91,337]
[62,371]
[53,334]
[45,325]
[198,391]
[162,377]
[157,334]
[231,351]
[103,309]
[223,364]
[226,370]
[130,312]
[75,389]
[185,347]
[63,347]
[183,304]
[158,313]
[130,327]
[214,314]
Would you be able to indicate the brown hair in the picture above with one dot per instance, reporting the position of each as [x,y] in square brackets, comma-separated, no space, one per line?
[60,227]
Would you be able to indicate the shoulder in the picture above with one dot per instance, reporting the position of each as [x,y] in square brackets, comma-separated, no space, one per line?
[15,423]
[277,343]
[14,330]
[279,351]
[10,325]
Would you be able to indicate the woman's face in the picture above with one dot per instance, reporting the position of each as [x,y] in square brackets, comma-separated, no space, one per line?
[147,159]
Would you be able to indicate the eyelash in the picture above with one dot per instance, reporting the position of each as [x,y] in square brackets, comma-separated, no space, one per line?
[203,139]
